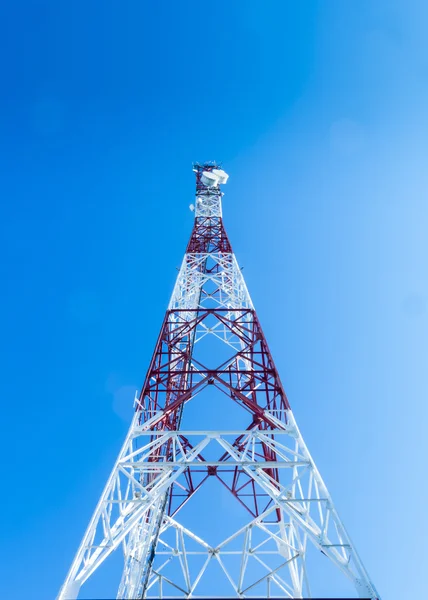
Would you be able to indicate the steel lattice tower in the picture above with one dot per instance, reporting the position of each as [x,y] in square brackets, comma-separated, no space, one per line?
[265,464]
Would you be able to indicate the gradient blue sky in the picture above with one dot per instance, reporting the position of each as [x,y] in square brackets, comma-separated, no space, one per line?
[318,110]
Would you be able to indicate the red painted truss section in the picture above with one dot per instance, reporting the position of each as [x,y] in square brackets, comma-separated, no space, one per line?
[208,235]
[249,377]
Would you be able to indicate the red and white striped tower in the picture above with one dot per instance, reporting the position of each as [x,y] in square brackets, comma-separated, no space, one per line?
[211,343]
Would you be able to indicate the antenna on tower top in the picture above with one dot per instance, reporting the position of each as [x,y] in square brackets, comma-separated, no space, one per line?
[209,174]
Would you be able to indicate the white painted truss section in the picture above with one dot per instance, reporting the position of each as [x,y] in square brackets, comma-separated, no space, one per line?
[255,545]
[208,204]
[227,283]
[222,287]
[128,507]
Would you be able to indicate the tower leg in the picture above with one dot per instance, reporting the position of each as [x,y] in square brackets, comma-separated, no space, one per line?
[69,591]
[139,553]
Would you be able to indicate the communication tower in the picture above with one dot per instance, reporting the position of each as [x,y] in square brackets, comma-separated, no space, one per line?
[211,350]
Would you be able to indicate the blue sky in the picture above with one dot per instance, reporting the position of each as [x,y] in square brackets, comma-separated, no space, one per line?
[318,112]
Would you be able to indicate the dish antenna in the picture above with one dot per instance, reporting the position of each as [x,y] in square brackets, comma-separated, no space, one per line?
[214,178]
[221,175]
